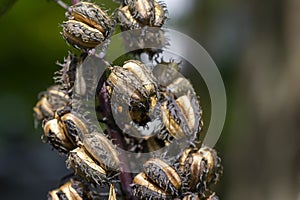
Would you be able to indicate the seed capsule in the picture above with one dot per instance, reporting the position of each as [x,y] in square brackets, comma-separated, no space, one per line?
[181,117]
[145,17]
[71,190]
[201,167]
[49,102]
[87,26]
[142,10]
[92,15]
[81,35]
[139,13]
[126,19]
[84,166]
[55,135]
[102,149]
[143,188]
[133,93]
[142,72]
[43,109]
[74,126]
[163,175]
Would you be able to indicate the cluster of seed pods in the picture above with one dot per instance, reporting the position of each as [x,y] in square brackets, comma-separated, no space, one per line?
[145,96]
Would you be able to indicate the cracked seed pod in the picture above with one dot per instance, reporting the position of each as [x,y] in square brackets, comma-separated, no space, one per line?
[49,101]
[87,26]
[139,13]
[56,136]
[132,93]
[92,15]
[163,175]
[71,190]
[202,168]
[102,149]
[181,114]
[180,109]
[96,160]
[81,35]
[74,126]
[143,188]
[144,18]
[86,167]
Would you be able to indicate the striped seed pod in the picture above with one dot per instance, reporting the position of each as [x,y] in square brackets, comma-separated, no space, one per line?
[71,190]
[202,168]
[164,175]
[143,188]
[87,26]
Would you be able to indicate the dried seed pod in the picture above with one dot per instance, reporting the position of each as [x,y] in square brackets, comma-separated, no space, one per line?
[81,35]
[71,190]
[139,13]
[55,135]
[142,10]
[213,164]
[181,118]
[164,175]
[179,87]
[87,26]
[201,168]
[160,14]
[92,15]
[86,167]
[50,100]
[143,188]
[133,94]
[126,19]
[180,109]
[74,126]
[166,73]
[43,109]
[102,149]
[143,73]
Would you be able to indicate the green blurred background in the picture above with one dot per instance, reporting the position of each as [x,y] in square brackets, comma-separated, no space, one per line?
[255,44]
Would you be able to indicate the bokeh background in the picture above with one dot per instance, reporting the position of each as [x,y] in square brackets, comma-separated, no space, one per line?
[255,44]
